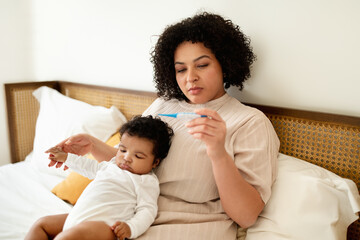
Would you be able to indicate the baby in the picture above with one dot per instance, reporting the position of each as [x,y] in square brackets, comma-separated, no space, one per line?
[121,201]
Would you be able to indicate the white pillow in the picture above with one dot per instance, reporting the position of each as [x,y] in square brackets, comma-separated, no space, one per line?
[307,202]
[61,117]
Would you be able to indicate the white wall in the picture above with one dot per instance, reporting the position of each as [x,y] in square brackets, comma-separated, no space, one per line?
[307,50]
[15,57]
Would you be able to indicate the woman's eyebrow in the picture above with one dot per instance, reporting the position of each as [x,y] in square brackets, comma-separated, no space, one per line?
[196,59]
[201,57]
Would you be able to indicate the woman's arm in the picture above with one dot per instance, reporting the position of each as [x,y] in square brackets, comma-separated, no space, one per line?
[82,144]
[241,201]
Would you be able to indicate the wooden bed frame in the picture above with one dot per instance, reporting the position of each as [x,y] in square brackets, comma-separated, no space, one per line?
[328,140]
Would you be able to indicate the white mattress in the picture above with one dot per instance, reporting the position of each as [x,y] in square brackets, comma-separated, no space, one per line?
[25,196]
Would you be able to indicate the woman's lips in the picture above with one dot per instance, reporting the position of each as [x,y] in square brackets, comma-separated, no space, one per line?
[194,90]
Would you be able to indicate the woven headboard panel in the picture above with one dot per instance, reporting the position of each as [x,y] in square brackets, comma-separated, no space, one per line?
[328,140]
[129,102]
[331,145]
[22,110]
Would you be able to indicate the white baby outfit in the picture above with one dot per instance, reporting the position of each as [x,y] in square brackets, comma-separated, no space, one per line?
[114,195]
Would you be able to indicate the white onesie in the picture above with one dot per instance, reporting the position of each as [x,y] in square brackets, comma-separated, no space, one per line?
[114,195]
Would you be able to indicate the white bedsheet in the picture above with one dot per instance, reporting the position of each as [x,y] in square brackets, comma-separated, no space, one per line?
[25,196]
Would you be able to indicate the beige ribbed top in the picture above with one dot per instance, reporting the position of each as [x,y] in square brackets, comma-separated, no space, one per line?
[189,204]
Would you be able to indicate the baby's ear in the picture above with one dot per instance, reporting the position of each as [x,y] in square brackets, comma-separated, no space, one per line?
[156,163]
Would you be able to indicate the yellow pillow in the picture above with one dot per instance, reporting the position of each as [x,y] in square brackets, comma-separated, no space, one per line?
[71,188]
[114,140]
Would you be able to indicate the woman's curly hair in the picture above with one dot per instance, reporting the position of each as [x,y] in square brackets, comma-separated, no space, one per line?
[153,129]
[225,39]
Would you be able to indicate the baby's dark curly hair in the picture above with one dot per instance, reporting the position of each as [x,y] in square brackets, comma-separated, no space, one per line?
[153,129]
[225,39]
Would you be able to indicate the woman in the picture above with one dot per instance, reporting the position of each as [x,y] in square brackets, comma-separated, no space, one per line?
[220,168]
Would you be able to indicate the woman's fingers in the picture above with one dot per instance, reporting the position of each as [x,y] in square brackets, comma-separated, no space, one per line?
[79,144]
[202,127]
[211,114]
[211,130]
[53,150]
[211,125]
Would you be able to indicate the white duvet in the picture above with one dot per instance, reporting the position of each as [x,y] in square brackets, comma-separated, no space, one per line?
[25,196]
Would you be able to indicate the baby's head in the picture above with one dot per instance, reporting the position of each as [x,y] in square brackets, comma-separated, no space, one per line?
[144,142]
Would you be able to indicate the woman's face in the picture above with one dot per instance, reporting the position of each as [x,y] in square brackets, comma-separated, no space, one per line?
[198,73]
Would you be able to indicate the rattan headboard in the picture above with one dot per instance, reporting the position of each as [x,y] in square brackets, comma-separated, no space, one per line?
[327,140]
[330,141]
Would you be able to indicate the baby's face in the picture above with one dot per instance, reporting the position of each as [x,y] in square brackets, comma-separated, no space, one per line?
[135,154]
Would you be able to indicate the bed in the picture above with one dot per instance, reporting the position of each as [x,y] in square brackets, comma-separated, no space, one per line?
[316,194]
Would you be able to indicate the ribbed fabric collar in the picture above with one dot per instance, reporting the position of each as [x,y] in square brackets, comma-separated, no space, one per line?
[213,104]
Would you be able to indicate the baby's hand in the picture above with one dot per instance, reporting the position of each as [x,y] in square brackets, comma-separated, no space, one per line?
[121,230]
[57,157]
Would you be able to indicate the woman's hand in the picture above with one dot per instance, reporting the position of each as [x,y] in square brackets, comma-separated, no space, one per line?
[79,144]
[211,130]
[57,157]
[121,230]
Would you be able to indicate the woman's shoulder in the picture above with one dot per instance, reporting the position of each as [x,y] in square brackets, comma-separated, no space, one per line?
[161,101]
[159,105]
[236,107]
